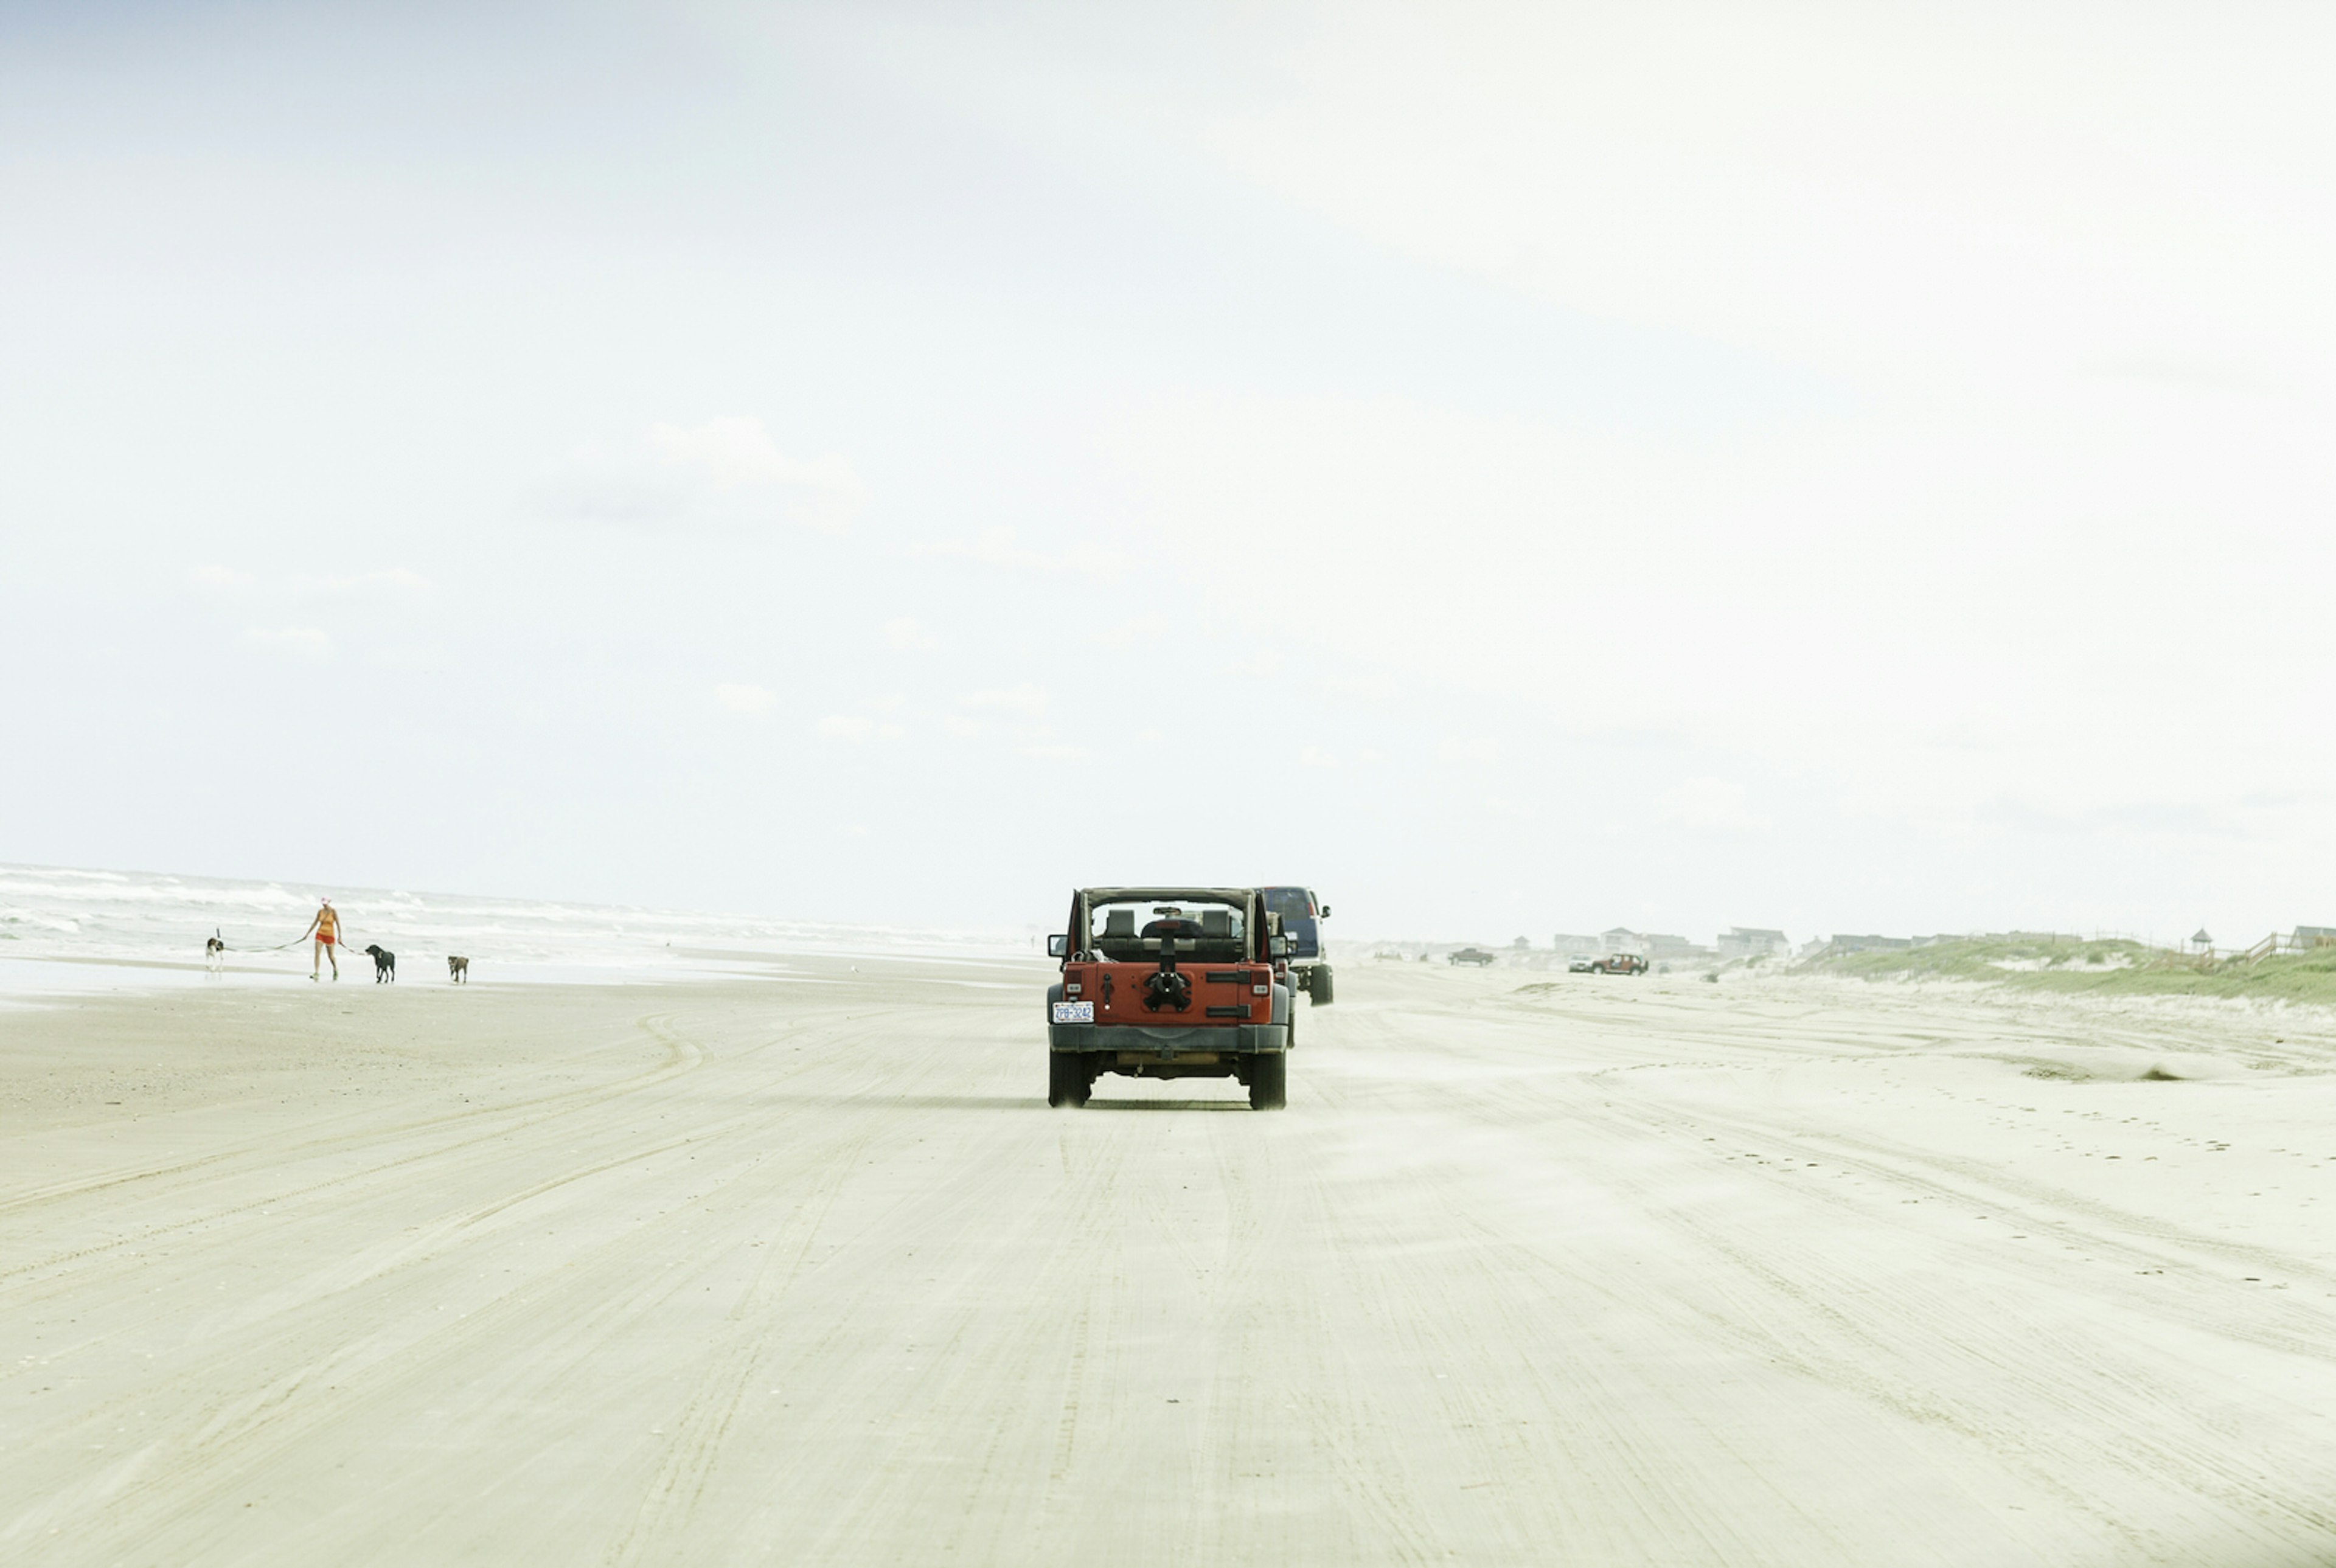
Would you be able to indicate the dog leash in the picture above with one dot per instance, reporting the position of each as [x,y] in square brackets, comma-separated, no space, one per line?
[279,946]
[341,941]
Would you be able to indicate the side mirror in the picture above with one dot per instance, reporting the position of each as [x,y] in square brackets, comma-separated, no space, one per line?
[1325,912]
[1058,946]
[1276,947]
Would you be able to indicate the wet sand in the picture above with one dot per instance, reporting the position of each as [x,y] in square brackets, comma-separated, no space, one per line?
[1615,1272]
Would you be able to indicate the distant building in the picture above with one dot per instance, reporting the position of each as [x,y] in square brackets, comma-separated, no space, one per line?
[2315,936]
[1621,939]
[1569,942]
[1751,943]
[1662,946]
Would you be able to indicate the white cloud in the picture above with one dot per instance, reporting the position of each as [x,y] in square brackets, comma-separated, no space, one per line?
[1315,757]
[726,470]
[301,642]
[1476,749]
[744,698]
[1025,699]
[1056,752]
[738,455]
[220,576]
[906,632]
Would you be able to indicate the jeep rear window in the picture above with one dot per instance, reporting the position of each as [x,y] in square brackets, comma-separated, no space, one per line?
[1126,932]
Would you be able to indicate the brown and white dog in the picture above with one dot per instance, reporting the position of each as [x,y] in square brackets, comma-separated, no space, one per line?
[214,953]
[458,970]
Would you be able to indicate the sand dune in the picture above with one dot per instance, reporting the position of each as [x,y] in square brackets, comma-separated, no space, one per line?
[1610,1272]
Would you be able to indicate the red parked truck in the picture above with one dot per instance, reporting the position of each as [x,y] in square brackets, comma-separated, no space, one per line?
[1168,983]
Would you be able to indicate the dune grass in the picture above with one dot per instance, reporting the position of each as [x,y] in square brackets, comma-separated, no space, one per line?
[2105,967]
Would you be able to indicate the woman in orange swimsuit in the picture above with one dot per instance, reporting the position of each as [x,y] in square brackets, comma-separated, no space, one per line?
[327,928]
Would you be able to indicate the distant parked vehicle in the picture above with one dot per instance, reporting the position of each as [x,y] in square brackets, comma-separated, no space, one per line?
[1620,964]
[1477,955]
[1580,964]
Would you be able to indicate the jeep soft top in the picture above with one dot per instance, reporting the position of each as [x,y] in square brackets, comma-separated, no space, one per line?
[1169,982]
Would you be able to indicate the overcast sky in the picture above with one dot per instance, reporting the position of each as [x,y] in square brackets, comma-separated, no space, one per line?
[1518,469]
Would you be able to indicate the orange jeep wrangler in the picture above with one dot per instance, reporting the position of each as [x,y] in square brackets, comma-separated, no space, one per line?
[1170,983]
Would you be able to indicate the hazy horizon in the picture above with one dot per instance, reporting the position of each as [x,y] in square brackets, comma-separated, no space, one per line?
[1515,470]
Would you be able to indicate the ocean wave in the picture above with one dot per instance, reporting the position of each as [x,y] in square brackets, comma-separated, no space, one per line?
[51,911]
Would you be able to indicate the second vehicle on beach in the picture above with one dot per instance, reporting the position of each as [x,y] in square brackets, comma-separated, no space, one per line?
[1301,915]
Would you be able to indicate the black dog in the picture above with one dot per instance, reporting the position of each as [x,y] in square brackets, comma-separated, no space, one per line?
[385,963]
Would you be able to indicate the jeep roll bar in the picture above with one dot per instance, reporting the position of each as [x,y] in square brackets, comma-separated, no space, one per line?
[1079,935]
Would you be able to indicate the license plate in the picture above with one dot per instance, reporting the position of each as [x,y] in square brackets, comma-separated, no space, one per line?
[1075,1012]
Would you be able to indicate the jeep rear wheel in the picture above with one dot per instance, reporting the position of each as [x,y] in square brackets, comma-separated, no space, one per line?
[1269,1082]
[1067,1079]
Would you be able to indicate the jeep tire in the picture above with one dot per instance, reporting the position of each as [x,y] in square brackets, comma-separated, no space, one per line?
[1320,986]
[1068,1082]
[1269,1082]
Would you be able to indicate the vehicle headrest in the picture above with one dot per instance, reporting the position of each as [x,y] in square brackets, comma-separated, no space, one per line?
[1216,922]
[1119,923]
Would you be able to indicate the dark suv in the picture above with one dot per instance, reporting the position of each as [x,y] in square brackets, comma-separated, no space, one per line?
[1301,917]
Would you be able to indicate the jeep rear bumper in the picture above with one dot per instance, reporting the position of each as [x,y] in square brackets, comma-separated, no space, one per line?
[1167,1043]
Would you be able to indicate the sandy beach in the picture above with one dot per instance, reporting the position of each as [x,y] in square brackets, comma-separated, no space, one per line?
[1593,1269]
